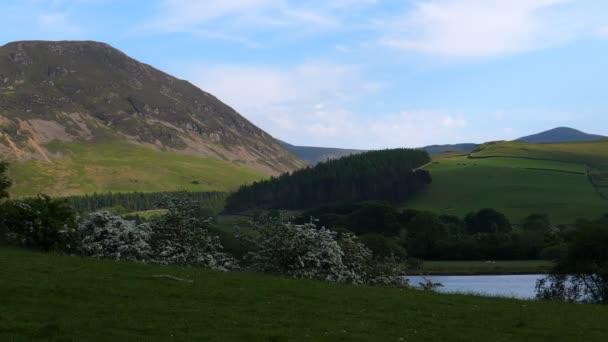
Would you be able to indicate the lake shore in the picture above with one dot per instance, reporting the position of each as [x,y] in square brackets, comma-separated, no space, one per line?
[483,267]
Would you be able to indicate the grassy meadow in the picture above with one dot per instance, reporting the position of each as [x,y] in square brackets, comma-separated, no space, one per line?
[501,176]
[116,166]
[66,298]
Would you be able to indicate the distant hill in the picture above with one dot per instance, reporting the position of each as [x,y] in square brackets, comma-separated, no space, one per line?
[315,155]
[560,134]
[436,149]
[564,180]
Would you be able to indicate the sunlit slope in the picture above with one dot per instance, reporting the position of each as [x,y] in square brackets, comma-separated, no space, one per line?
[118,166]
[562,180]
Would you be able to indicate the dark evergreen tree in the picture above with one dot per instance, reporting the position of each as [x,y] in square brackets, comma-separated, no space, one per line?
[390,175]
[5,183]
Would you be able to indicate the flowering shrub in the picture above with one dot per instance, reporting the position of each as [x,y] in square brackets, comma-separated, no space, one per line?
[304,251]
[181,236]
[41,222]
[104,235]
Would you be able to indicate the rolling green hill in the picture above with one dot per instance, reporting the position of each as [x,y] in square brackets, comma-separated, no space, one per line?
[564,180]
[57,298]
[119,166]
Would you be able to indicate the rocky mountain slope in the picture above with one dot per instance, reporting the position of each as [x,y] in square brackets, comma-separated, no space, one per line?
[73,91]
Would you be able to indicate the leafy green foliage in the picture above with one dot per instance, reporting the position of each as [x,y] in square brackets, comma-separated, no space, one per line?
[537,223]
[487,221]
[40,223]
[582,273]
[143,201]
[390,175]
[5,183]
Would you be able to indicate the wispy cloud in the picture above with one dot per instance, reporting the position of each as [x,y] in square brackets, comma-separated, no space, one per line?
[603,32]
[478,28]
[317,103]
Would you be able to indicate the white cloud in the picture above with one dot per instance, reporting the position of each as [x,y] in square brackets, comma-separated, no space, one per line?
[478,28]
[58,23]
[603,32]
[241,18]
[316,104]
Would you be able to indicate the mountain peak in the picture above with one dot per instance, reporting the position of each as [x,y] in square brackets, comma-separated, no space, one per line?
[560,134]
[81,90]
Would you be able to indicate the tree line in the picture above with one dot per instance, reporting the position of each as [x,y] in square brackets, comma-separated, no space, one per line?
[482,235]
[391,175]
[141,201]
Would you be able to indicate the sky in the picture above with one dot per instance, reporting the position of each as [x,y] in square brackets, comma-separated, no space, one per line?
[366,74]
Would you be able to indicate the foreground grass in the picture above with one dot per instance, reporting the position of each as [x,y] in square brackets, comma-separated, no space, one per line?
[119,166]
[485,267]
[50,297]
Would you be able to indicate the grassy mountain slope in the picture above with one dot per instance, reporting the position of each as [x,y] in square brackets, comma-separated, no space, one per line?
[560,134]
[84,91]
[563,180]
[119,166]
[49,297]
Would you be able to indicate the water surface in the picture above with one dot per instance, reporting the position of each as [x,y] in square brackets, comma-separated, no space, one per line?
[513,286]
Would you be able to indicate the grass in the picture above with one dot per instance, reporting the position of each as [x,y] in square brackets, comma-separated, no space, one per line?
[485,267]
[117,166]
[148,214]
[516,186]
[64,298]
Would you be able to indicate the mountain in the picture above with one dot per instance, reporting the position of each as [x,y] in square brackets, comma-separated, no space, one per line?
[315,155]
[436,149]
[560,134]
[83,92]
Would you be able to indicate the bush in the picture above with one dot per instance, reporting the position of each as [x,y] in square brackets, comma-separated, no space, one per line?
[40,223]
[181,236]
[487,221]
[5,183]
[305,251]
[104,235]
[581,275]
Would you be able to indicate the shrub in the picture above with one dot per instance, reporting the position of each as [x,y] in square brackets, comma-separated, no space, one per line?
[581,275]
[181,237]
[305,251]
[104,235]
[5,183]
[40,223]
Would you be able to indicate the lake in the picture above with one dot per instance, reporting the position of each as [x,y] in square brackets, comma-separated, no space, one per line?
[514,286]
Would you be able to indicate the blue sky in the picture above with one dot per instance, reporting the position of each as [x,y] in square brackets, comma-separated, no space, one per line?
[361,73]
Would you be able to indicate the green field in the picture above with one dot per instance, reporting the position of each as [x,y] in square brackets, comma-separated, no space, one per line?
[485,267]
[65,298]
[501,176]
[117,166]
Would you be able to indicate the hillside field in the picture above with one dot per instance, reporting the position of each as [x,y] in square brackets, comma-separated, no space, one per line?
[562,180]
[57,298]
[118,166]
